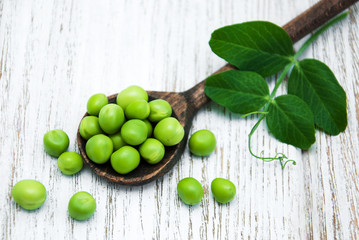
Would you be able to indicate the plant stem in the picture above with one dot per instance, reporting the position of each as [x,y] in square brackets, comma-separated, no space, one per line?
[248,114]
[280,79]
[280,156]
[261,117]
[319,32]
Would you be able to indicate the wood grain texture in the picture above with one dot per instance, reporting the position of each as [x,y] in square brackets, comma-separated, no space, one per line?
[55,54]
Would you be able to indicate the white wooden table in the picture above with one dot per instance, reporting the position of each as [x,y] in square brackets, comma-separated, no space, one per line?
[55,54]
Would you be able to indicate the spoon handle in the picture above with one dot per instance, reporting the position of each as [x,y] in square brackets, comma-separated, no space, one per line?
[297,28]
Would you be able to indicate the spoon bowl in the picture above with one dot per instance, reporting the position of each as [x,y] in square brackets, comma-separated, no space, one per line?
[186,104]
[183,109]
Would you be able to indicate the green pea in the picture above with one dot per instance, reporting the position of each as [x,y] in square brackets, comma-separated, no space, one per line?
[160,109]
[169,131]
[29,194]
[56,142]
[125,160]
[149,127]
[95,103]
[139,109]
[99,148]
[90,127]
[134,132]
[190,191]
[130,94]
[117,141]
[81,206]
[70,163]
[152,151]
[111,118]
[202,143]
[223,190]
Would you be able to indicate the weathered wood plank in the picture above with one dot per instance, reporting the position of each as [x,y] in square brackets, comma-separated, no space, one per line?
[55,54]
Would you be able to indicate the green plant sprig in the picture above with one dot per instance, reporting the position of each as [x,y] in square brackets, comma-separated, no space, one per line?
[260,49]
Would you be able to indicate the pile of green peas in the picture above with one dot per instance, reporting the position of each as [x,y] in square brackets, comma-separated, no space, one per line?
[129,130]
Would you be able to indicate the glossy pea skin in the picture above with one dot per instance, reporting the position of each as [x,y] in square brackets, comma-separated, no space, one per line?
[149,127]
[70,163]
[89,127]
[111,118]
[81,206]
[95,103]
[152,151]
[134,132]
[125,160]
[99,148]
[139,109]
[117,141]
[223,190]
[56,142]
[190,191]
[160,109]
[169,131]
[29,194]
[131,94]
[202,143]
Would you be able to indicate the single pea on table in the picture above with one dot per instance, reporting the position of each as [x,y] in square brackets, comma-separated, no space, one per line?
[29,194]
[81,206]
[70,163]
[190,191]
[56,142]
[202,143]
[223,190]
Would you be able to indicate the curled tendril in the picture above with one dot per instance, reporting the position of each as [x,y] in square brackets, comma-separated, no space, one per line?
[285,163]
[281,157]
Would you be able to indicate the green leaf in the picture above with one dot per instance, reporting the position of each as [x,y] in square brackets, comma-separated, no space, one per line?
[240,91]
[291,121]
[314,82]
[258,46]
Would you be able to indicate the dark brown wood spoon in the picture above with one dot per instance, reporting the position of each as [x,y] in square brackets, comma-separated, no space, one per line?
[186,104]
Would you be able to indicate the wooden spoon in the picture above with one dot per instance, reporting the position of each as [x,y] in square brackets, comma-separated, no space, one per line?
[186,104]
